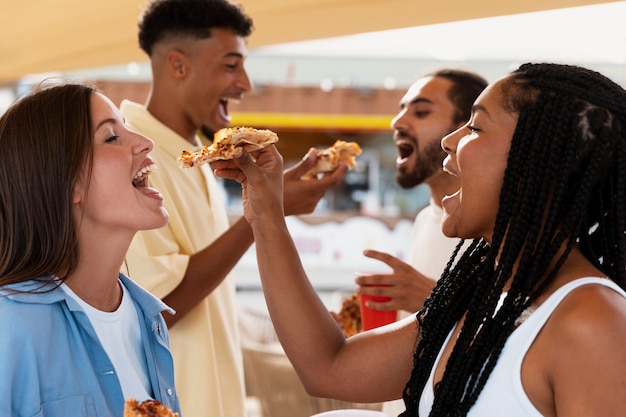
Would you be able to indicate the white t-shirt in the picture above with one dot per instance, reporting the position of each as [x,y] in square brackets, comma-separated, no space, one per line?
[120,335]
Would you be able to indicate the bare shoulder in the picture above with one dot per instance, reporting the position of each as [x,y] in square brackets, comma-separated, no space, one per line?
[584,342]
[590,309]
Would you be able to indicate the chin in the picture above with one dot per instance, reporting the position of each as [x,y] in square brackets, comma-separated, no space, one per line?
[450,228]
[405,180]
[162,221]
[451,234]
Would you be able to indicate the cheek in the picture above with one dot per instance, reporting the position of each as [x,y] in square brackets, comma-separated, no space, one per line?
[110,170]
[481,185]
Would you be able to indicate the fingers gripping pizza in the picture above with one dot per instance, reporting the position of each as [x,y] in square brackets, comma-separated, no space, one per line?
[330,158]
[150,408]
[227,144]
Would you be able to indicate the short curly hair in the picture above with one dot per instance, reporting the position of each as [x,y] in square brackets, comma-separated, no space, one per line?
[189,18]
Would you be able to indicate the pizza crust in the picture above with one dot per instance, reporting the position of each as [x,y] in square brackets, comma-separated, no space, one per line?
[227,144]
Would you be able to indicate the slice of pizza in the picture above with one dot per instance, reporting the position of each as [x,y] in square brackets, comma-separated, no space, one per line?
[330,158]
[349,316]
[151,408]
[227,144]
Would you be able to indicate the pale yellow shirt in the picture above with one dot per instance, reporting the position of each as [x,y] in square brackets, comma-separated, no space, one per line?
[205,343]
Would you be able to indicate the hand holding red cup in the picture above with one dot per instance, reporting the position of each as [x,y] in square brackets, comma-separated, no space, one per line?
[371,318]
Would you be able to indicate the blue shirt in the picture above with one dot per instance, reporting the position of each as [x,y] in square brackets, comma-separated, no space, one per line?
[52,363]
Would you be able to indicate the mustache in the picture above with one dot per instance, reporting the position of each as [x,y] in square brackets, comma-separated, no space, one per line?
[402,134]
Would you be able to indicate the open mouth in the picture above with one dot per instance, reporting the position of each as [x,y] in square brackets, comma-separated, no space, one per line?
[405,150]
[223,108]
[141,178]
[447,167]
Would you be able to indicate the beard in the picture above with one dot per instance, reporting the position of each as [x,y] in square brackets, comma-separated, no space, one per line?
[428,162]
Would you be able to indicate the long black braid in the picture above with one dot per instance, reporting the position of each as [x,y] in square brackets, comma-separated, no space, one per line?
[565,185]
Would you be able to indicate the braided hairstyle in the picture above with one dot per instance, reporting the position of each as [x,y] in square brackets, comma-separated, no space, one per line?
[564,185]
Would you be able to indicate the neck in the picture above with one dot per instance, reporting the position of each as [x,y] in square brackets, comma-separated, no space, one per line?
[101,255]
[165,109]
[100,292]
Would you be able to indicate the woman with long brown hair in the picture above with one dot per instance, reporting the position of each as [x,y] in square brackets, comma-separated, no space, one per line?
[78,337]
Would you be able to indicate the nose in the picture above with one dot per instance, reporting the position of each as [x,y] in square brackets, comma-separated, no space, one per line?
[243,81]
[398,122]
[450,141]
[142,144]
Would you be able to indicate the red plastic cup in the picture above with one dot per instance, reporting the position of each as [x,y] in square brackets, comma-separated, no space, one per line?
[370,318]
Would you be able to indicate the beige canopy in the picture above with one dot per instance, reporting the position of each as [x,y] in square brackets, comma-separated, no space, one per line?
[55,35]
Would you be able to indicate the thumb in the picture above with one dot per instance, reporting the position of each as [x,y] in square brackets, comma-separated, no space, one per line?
[244,161]
[304,165]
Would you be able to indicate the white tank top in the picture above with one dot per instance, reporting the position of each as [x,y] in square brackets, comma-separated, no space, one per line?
[503,394]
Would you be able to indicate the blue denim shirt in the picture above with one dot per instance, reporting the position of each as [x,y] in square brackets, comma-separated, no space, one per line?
[53,365]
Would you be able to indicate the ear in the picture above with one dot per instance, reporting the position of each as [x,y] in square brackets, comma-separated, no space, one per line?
[177,64]
[78,192]
[77,197]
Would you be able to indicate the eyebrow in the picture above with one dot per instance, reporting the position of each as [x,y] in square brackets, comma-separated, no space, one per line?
[416,101]
[105,121]
[233,55]
[480,107]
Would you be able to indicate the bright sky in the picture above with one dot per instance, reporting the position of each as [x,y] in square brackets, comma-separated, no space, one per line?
[591,33]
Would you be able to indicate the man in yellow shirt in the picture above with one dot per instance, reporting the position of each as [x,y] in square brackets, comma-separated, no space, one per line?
[197,52]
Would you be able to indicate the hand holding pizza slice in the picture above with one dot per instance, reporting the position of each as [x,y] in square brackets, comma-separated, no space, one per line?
[330,158]
[227,144]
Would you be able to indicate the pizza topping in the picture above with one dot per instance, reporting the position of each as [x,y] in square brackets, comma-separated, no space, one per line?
[349,316]
[330,158]
[148,408]
[227,144]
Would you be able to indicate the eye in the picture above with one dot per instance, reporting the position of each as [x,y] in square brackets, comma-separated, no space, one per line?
[232,65]
[473,129]
[421,114]
[112,139]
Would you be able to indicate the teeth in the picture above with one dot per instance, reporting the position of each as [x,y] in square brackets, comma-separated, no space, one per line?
[231,100]
[144,171]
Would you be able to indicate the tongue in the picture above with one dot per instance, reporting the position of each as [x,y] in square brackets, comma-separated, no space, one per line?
[224,110]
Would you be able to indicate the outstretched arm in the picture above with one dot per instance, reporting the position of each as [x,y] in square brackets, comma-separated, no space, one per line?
[370,367]
[208,268]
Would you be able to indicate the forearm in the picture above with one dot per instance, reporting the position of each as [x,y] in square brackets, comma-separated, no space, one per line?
[207,269]
[305,328]
[326,362]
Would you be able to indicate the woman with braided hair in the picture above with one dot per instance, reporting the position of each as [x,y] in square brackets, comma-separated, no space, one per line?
[531,319]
